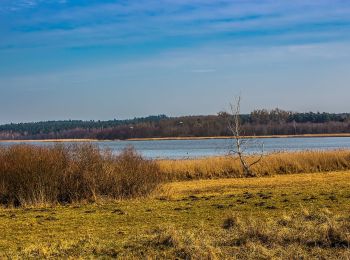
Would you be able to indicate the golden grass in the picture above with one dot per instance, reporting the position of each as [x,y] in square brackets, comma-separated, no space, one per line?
[297,235]
[34,175]
[320,181]
[299,216]
[277,216]
[271,164]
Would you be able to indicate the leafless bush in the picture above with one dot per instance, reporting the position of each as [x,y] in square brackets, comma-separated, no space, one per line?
[32,175]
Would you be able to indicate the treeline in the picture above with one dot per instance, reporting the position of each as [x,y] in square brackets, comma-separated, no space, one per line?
[265,116]
[62,125]
[258,122]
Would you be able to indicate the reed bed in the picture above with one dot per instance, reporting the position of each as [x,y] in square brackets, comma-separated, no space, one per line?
[271,164]
[33,175]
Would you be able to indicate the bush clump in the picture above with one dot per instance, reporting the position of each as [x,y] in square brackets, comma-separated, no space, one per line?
[33,175]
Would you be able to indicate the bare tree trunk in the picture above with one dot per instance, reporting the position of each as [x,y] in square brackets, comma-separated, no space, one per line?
[241,144]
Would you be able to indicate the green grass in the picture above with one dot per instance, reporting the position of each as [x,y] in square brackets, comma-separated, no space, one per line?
[185,220]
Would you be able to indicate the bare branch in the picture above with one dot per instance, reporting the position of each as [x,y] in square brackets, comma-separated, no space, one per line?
[261,156]
[241,144]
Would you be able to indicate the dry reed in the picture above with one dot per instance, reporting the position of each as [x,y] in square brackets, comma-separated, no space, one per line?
[272,164]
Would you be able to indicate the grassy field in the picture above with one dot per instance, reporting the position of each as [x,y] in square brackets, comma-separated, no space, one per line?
[285,216]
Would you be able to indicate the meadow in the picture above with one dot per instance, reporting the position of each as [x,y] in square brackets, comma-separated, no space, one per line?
[304,216]
[302,212]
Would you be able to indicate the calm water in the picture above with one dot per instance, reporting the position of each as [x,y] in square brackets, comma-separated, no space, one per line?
[176,149]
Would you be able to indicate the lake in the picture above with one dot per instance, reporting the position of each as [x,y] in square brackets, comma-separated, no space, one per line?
[179,149]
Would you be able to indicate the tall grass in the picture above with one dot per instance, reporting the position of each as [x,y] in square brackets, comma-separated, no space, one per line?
[31,175]
[272,164]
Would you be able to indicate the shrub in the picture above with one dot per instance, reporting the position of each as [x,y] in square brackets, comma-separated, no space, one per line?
[32,175]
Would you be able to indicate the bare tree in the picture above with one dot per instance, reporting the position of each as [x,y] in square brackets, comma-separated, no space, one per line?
[241,144]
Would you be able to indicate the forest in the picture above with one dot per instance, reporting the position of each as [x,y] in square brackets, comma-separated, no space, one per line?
[259,122]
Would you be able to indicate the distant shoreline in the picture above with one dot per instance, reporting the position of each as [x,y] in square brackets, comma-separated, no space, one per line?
[230,137]
[177,138]
[50,140]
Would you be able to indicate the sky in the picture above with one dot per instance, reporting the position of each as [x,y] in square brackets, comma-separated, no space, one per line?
[66,59]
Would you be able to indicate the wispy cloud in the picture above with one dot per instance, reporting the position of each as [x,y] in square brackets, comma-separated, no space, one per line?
[64,24]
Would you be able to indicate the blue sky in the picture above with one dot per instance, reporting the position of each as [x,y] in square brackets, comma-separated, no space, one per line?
[65,59]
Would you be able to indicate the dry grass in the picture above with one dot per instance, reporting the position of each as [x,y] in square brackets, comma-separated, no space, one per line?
[326,237]
[181,244]
[299,216]
[34,175]
[295,235]
[305,184]
[299,234]
[272,164]
[31,175]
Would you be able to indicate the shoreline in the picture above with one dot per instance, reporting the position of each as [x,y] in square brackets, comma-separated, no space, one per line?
[50,140]
[177,138]
[248,137]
